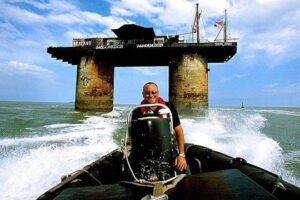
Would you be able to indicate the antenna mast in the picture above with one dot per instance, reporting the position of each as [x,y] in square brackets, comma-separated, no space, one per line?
[196,23]
[225,27]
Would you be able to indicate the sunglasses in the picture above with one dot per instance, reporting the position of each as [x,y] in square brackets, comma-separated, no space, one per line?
[147,93]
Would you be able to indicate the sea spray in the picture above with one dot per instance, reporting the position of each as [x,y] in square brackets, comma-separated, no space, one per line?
[37,163]
[236,133]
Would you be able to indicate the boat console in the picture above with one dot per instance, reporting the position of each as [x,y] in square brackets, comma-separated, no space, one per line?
[153,152]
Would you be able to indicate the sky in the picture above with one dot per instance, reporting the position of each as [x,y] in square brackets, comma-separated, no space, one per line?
[264,72]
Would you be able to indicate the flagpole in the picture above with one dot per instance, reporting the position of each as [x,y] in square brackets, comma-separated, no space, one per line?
[225,27]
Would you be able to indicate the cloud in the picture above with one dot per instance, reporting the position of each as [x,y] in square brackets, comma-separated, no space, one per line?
[54,5]
[8,31]
[60,13]
[120,11]
[32,31]
[232,77]
[66,18]
[240,76]
[15,68]
[109,21]
[60,6]
[19,15]
[275,42]
[74,34]
[268,30]
[163,13]
[270,87]
[83,17]
[136,7]
[249,57]
[148,71]
[274,88]
[272,49]
[225,79]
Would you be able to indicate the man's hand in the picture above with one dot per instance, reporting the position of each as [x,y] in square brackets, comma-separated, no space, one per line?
[180,163]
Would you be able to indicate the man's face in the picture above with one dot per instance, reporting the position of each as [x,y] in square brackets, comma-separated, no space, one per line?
[150,93]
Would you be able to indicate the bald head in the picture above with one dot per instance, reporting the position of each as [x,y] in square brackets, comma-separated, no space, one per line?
[149,83]
[150,92]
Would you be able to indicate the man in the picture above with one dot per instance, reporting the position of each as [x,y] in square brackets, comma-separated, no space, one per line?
[151,96]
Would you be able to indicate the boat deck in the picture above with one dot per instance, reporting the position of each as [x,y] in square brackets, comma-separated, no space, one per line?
[225,184]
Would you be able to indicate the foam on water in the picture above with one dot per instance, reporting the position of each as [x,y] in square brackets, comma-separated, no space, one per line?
[278,112]
[238,134]
[36,163]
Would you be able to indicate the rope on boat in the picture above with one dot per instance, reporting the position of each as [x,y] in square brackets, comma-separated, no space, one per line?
[166,187]
[90,174]
[278,184]
[174,182]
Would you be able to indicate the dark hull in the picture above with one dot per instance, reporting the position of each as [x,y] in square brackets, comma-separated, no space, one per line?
[214,176]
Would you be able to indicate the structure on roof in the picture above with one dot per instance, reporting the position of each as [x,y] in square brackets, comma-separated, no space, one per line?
[133,31]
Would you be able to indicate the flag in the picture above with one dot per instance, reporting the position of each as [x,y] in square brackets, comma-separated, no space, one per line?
[219,23]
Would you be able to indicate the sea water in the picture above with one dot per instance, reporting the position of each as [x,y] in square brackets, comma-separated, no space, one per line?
[40,142]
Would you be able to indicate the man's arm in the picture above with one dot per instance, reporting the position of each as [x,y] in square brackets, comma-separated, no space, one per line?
[180,159]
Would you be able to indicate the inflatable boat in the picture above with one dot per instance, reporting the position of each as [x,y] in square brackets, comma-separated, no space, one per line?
[143,169]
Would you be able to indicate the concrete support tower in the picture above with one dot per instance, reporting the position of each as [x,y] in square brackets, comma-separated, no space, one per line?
[94,87]
[188,84]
